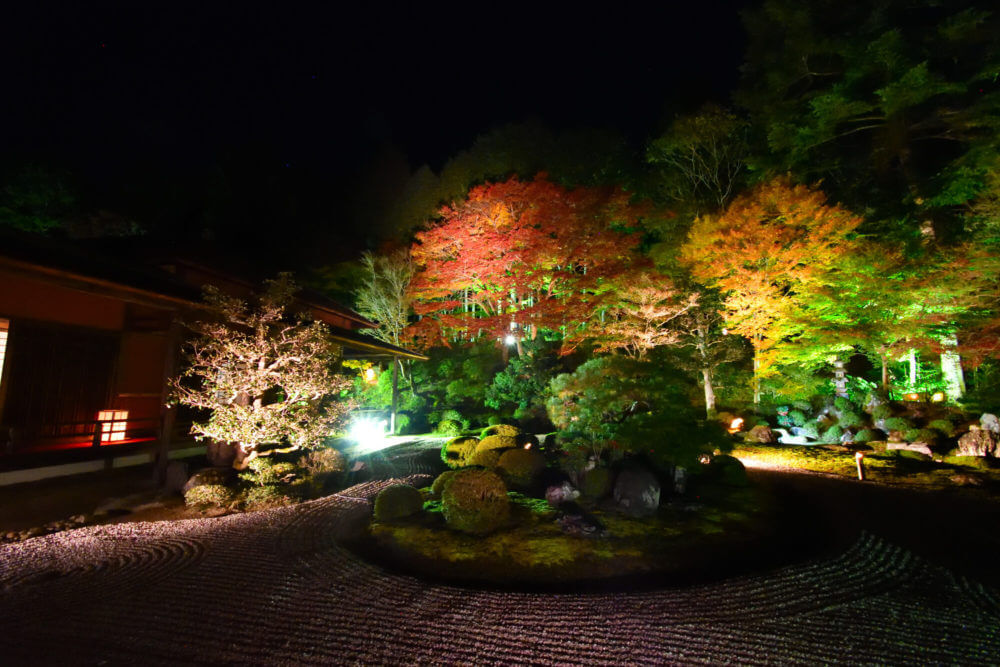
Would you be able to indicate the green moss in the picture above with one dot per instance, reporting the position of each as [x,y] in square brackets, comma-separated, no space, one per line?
[456,452]
[475,501]
[520,467]
[267,495]
[977,462]
[485,458]
[596,484]
[498,442]
[449,427]
[849,419]
[396,502]
[882,411]
[898,424]
[944,427]
[501,429]
[440,482]
[205,496]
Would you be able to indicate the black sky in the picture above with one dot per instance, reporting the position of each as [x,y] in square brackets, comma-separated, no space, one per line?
[137,90]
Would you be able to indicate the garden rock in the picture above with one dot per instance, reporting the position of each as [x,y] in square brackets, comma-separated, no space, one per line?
[727,470]
[919,447]
[209,476]
[989,422]
[637,491]
[580,524]
[220,454]
[978,442]
[761,434]
[563,493]
[176,477]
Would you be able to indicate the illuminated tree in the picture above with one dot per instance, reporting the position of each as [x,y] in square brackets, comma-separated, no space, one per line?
[267,378]
[383,295]
[522,256]
[767,248]
[643,306]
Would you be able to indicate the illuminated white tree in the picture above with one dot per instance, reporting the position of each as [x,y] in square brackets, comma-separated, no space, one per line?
[268,378]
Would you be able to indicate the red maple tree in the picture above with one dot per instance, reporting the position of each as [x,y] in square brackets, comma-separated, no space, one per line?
[520,256]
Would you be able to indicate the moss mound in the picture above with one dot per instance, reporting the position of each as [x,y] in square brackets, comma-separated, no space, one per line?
[520,467]
[485,458]
[498,442]
[397,501]
[437,487]
[268,495]
[727,470]
[501,429]
[456,452]
[475,501]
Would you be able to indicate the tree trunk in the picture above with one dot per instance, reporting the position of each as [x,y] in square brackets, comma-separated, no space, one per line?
[885,372]
[706,374]
[951,369]
[756,377]
[396,363]
[912,359]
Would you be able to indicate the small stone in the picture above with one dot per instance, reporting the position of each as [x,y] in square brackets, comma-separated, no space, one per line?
[79,518]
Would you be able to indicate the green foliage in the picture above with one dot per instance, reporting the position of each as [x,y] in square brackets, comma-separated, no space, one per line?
[521,384]
[633,406]
[206,496]
[485,458]
[842,403]
[265,470]
[865,435]
[520,467]
[978,462]
[811,429]
[901,424]
[849,419]
[457,452]
[36,199]
[396,502]
[927,435]
[449,427]
[267,495]
[881,411]
[832,435]
[797,417]
[475,501]
[944,427]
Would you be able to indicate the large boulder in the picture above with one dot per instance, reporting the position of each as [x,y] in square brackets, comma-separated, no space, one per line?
[761,434]
[176,477]
[978,442]
[989,422]
[727,470]
[210,477]
[637,491]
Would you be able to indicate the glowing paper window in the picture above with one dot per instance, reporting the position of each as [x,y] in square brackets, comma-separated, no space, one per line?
[4,328]
[112,424]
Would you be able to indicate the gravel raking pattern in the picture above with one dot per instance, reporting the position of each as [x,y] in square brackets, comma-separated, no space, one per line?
[275,587]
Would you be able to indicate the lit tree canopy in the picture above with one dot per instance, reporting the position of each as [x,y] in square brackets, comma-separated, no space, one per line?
[764,252]
[531,253]
[266,378]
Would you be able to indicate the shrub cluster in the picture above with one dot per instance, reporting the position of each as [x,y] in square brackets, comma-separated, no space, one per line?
[266,495]
[208,495]
[456,453]
[520,467]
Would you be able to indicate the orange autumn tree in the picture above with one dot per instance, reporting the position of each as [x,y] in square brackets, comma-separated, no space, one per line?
[765,252]
[520,257]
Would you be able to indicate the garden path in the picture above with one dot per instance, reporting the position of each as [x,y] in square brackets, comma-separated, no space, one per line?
[275,587]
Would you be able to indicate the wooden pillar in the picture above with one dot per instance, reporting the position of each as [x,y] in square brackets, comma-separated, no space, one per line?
[168,413]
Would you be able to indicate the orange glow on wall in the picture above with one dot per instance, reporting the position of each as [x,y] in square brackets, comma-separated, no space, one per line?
[4,327]
[113,424]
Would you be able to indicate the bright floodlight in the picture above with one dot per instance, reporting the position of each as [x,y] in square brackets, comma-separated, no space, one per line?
[368,434]
[510,340]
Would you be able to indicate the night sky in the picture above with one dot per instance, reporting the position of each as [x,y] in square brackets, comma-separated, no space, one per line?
[135,96]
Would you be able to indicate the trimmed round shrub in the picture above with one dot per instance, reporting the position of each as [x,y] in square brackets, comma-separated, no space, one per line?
[397,501]
[485,458]
[920,435]
[520,467]
[865,435]
[832,435]
[727,470]
[500,429]
[881,411]
[498,442]
[267,495]
[811,429]
[849,419]
[475,501]
[456,452]
[898,424]
[208,495]
[437,488]
[596,483]
[449,427]
[798,417]
[843,404]
[944,427]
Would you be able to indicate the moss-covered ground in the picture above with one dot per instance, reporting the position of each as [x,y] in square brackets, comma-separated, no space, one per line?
[896,467]
[533,549]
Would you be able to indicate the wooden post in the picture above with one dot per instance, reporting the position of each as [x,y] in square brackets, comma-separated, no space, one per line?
[168,413]
[395,395]
[859,458]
